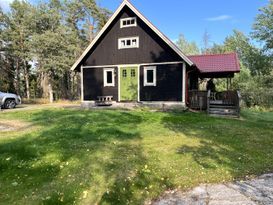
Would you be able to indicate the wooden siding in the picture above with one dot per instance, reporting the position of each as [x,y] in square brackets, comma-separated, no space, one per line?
[151,48]
[168,84]
[93,84]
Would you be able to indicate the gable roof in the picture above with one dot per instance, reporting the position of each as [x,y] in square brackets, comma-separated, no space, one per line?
[216,63]
[145,20]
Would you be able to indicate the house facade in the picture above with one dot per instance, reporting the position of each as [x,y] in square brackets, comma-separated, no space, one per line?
[132,61]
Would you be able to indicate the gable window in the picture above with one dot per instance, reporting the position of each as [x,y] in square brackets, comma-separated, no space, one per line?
[150,76]
[128,22]
[109,77]
[131,42]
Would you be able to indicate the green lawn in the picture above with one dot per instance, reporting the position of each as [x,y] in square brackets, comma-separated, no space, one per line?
[69,156]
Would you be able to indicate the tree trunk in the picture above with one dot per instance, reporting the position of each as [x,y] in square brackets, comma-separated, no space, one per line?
[50,92]
[26,74]
[46,87]
[17,74]
[44,84]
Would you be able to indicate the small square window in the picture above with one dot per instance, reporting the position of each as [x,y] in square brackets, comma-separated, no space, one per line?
[133,73]
[124,73]
[123,43]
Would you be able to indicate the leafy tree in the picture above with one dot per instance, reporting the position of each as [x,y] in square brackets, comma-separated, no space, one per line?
[6,60]
[189,48]
[263,28]
[16,37]
[250,56]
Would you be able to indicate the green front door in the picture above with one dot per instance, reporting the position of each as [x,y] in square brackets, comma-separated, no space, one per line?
[128,83]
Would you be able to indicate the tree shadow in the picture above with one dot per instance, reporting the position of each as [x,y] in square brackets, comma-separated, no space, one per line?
[64,156]
[241,147]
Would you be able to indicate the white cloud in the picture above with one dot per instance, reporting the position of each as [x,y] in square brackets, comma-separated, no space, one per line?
[219,18]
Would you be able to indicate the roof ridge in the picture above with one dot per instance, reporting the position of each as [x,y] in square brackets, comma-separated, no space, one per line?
[217,54]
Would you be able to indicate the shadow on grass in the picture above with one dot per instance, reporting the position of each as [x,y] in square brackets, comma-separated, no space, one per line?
[241,147]
[73,152]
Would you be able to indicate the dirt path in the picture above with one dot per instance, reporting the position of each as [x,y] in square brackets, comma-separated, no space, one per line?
[40,106]
[252,192]
[13,125]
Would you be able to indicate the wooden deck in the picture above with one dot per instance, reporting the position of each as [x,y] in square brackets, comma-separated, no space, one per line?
[226,103]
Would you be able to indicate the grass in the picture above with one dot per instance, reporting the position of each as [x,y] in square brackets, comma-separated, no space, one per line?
[69,156]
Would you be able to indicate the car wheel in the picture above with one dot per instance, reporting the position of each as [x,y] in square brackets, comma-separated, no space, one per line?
[10,104]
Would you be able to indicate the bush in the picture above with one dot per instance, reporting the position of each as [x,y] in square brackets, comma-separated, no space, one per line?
[257,91]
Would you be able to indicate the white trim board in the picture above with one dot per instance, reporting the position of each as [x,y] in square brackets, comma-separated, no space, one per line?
[142,64]
[82,94]
[184,83]
[145,20]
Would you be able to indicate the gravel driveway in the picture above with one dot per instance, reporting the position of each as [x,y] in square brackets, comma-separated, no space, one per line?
[251,192]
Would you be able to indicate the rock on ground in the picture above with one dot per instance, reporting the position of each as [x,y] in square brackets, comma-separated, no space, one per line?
[252,192]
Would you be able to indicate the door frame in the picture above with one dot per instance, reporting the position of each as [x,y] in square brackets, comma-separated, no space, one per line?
[138,79]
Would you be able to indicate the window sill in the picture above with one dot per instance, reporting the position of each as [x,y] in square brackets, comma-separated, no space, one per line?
[109,86]
[149,85]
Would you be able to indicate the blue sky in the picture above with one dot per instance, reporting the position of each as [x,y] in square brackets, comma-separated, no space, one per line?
[193,17]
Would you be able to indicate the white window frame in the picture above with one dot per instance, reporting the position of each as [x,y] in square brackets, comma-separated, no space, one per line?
[153,68]
[126,19]
[121,46]
[105,70]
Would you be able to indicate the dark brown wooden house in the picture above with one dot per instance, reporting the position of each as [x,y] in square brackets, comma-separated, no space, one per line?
[130,60]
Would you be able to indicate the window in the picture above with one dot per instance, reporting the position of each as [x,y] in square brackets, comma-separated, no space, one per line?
[128,22]
[132,42]
[109,77]
[150,76]
[133,73]
[124,73]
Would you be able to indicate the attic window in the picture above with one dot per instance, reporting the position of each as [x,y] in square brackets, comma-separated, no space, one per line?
[132,42]
[128,22]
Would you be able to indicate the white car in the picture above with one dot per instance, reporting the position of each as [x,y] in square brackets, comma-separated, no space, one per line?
[9,100]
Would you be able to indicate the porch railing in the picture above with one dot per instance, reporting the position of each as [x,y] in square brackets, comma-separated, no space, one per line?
[197,99]
[203,100]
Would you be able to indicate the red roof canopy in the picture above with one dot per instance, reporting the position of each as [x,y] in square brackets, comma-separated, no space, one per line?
[216,63]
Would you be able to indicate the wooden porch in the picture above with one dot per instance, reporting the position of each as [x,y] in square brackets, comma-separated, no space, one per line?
[216,103]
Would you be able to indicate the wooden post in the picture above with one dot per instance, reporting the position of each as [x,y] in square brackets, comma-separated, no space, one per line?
[208,101]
